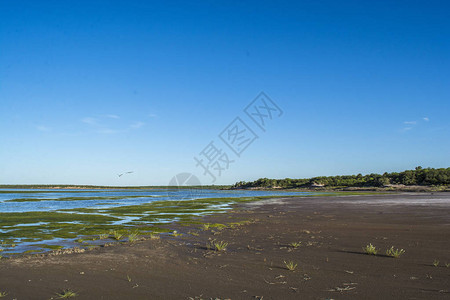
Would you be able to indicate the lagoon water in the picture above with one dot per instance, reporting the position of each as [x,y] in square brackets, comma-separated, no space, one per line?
[26,200]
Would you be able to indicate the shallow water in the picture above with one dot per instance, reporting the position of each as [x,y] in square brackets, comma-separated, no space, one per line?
[21,230]
[51,200]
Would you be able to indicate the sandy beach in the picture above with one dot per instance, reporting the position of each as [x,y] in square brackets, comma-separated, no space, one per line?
[330,233]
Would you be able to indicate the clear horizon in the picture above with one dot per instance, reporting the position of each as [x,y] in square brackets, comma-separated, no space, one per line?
[91,90]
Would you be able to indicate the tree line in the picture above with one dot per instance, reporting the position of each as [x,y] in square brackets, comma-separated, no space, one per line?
[419,176]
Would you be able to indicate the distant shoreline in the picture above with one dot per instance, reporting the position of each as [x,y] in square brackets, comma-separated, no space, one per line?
[391,188]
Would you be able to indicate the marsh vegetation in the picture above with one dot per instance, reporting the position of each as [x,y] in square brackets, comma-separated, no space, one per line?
[42,220]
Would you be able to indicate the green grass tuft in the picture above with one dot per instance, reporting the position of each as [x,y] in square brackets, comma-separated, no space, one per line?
[103,236]
[133,236]
[295,245]
[394,252]
[154,237]
[220,246]
[370,249]
[290,265]
[117,235]
[66,294]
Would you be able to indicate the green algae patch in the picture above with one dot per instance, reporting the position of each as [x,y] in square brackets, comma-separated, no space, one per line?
[17,218]
[165,210]
[83,224]
[38,226]
[32,251]
[50,247]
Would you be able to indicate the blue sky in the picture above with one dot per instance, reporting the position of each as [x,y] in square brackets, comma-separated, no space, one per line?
[91,89]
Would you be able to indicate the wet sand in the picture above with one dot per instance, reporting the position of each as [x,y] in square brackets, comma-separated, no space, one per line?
[331,262]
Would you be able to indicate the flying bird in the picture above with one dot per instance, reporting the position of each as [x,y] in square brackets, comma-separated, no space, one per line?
[120,175]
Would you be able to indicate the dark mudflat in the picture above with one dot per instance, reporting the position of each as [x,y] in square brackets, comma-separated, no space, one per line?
[331,262]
